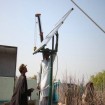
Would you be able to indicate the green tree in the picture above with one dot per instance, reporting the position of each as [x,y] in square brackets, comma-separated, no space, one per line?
[99,80]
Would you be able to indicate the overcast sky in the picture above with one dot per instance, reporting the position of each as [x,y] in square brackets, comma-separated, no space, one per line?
[81,43]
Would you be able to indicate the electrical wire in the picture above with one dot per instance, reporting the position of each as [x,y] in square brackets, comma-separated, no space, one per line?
[88,17]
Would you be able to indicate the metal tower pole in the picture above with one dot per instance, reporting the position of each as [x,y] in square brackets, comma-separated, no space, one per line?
[51,75]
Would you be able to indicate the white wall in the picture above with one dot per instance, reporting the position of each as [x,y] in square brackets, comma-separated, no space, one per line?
[32,83]
[6,88]
[7,85]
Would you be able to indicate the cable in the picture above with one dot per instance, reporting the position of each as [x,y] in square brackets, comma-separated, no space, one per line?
[88,17]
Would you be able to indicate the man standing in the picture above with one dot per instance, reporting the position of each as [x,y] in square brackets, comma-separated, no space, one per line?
[44,74]
[21,92]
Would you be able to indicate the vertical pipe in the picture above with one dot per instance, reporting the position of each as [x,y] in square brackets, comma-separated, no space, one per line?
[40,28]
[51,75]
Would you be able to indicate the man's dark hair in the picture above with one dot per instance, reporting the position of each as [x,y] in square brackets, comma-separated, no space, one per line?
[21,68]
[46,51]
